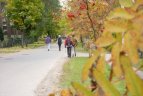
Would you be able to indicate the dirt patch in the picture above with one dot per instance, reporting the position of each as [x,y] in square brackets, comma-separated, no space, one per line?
[50,84]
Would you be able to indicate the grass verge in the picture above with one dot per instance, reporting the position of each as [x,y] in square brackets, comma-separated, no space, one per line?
[79,48]
[140,65]
[72,71]
[18,48]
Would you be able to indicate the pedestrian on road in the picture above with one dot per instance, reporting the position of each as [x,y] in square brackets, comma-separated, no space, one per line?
[74,41]
[59,41]
[48,42]
[68,45]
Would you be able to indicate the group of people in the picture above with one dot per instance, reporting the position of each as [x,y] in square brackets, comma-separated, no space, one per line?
[70,44]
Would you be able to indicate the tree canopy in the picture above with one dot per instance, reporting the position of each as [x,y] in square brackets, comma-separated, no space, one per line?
[24,14]
[51,17]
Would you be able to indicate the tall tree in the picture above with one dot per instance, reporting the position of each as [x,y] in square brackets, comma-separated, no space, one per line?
[87,16]
[24,14]
[51,17]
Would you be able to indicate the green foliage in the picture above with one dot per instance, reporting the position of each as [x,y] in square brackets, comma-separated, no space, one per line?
[51,17]
[24,14]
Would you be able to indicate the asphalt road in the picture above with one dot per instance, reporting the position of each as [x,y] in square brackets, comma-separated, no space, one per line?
[21,73]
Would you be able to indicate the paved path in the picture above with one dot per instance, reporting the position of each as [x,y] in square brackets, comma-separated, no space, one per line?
[22,72]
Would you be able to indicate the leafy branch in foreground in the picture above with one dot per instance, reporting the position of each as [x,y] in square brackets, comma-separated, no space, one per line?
[123,31]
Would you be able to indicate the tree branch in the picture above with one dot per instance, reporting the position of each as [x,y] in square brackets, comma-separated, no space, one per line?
[91,22]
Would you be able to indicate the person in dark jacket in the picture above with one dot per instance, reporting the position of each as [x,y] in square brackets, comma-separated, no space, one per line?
[59,41]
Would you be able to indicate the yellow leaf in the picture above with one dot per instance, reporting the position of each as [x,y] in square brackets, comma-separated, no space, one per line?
[119,37]
[88,65]
[101,64]
[136,35]
[131,48]
[138,23]
[137,4]
[126,3]
[115,60]
[81,89]
[66,92]
[104,41]
[106,86]
[134,83]
[116,26]
[120,13]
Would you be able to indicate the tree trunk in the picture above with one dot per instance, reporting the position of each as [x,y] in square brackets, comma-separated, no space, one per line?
[22,39]
[26,42]
[81,39]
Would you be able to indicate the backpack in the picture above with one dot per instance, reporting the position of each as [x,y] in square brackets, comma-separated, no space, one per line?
[68,42]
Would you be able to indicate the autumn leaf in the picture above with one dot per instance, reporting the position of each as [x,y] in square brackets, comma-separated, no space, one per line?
[131,48]
[106,86]
[66,92]
[104,41]
[120,13]
[126,3]
[81,89]
[101,64]
[138,23]
[88,65]
[116,25]
[115,60]
[137,4]
[134,83]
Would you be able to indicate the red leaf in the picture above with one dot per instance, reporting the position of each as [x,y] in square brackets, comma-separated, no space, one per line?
[70,15]
[82,6]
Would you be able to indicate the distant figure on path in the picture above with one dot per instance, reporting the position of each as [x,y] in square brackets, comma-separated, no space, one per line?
[48,42]
[68,45]
[59,41]
[74,41]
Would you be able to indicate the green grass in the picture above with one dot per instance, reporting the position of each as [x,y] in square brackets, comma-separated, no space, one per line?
[36,44]
[10,49]
[18,48]
[80,49]
[140,65]
[72,71]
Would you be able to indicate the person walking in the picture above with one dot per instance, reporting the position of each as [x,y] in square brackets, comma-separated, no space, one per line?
[68,45]
[59,41]
[74,41]
[48,42]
